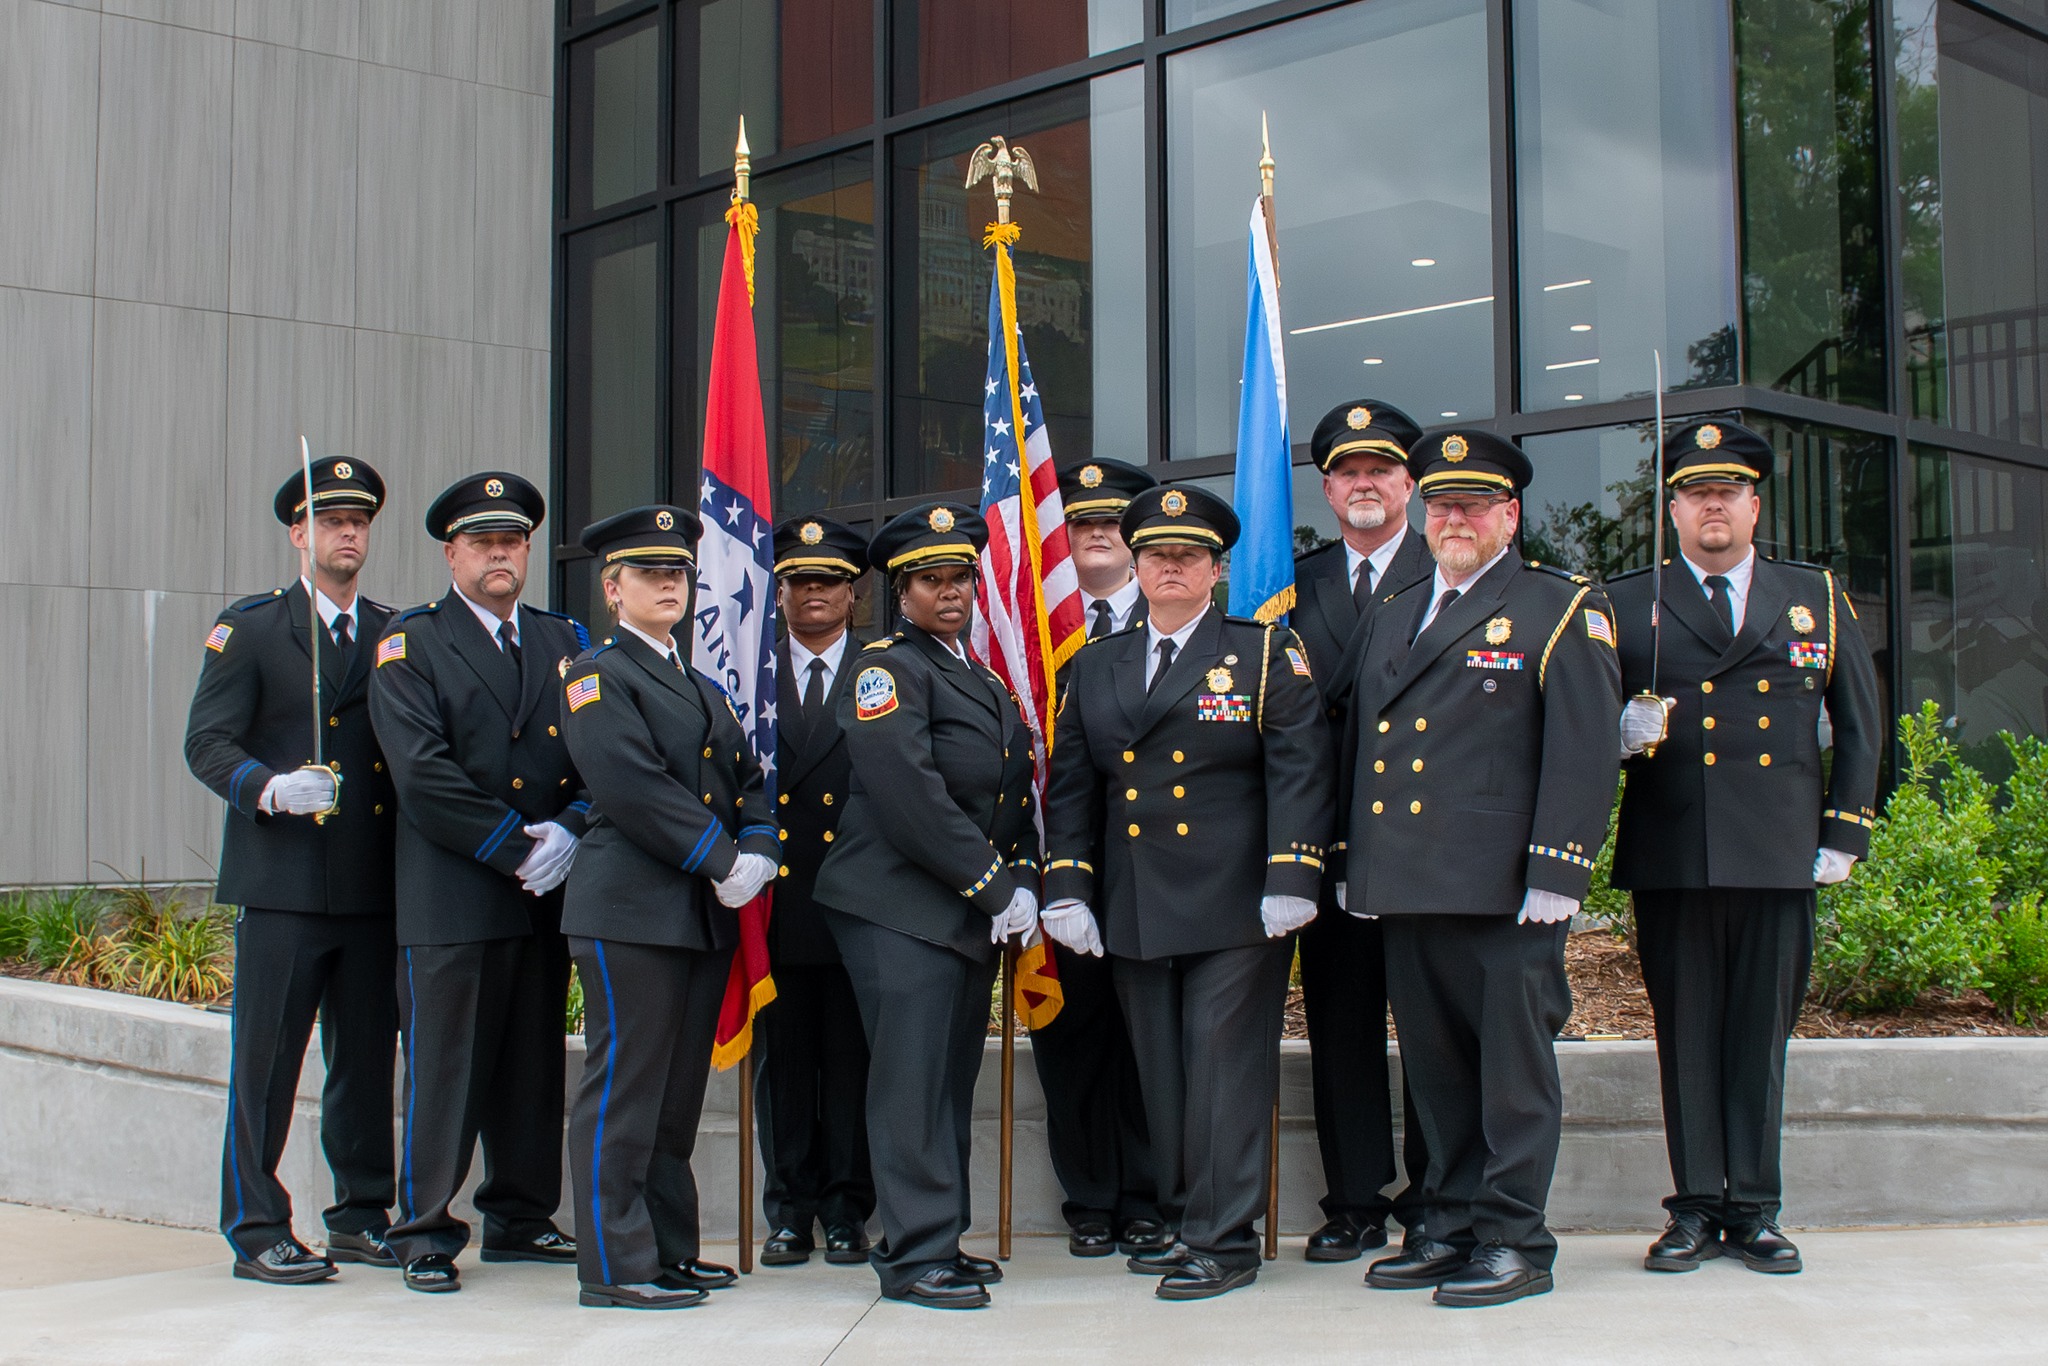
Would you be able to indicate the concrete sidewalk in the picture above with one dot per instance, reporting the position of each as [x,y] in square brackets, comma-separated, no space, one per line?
[76,1289]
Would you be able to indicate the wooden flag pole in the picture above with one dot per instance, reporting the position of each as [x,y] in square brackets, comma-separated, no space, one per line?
[1273,1180]
[1009,1115]
[746,1108]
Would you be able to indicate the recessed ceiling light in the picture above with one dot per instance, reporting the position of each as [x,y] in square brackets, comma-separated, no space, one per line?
[1582,327]
[1423,261]
[1447,414]
[1573,398]
[1374,360]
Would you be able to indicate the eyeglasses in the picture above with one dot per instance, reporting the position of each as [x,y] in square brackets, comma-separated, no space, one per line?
[1471,509]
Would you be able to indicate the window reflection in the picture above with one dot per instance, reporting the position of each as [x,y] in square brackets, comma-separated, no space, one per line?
[1384,208]
[1590,507]
[1627,198]
[800,70]
[614,127]
[948,48]
[611,422]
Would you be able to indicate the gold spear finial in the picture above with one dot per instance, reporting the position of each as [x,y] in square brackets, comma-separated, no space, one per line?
[742,165]
[1005,163]
[1265,158]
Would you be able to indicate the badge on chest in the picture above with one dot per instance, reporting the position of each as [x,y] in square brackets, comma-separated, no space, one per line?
[1211,706]
[1493,659]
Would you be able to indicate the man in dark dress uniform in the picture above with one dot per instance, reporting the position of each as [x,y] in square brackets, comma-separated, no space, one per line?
[1362,449]
[1480,739]
[1190,799]
[1728,821]
[466,694]
[306,855]
[812,1080]
[1094,1110]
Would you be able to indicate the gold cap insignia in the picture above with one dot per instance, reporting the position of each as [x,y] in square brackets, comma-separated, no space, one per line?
[810,533]
[1801,618]
[1707,437]
[940,520]
[1498,630]
[343,470]
[1455,449]
[1091,476]
[494,488]
[1219,680]
[1174,503]
[665,519]
[1358,419]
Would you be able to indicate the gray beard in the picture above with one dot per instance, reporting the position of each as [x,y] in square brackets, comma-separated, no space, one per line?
[1367,516]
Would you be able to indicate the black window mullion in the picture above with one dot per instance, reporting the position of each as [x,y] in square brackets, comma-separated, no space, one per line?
[1501,106]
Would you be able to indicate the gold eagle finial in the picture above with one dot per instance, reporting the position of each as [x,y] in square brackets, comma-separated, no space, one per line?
[997,158]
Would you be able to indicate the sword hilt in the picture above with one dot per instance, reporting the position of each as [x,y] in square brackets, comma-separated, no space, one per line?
[334,768]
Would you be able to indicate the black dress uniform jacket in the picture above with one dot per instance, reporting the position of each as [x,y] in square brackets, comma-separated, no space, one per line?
[251,720]
[1484,755]
[939,853]
[477,752]
[1222,783]
[1726,800]
[676,799]
[813,774]
[1326,617]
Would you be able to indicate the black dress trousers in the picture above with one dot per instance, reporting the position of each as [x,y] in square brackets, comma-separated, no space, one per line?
[1094,1111]
[1727,973]
[810,1094]
[650,1016]
[482,1037]
[1478,1001]
[925,1009]
[290,967]
[1206,1031]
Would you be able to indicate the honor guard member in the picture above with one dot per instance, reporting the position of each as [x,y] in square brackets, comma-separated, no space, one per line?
[678,839]
[1190,800]
[933,870]
[1094,1111]
[1728,820]
[811,1081]
[1482,772]
[467,697]
[306,856]
[1362,449]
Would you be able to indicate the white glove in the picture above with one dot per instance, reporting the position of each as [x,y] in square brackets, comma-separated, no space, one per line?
[1644,722]
[1832,865]
[1285,914]
[546,865]
[1546,908]
[1073,924]
[1019,917]
[750,873]
[302,792]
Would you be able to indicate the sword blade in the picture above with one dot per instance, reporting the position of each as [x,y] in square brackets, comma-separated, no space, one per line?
[313,626]
[1657,531]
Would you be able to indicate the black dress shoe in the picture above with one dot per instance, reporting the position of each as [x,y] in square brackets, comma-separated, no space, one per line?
[1201,1278]
[1423,1262]
[660,1295]
[1090,1237]
[1142,1236]
[366,1247]
[1762,1247]
[787,1247]
[697,1274]
[546,1247]
[1688,1240]
[979,1270]
[432,1274]
[1344,1239]
[1163,1262]
[846,1245]
[943,1289]
[1495,1275]
[287,1263]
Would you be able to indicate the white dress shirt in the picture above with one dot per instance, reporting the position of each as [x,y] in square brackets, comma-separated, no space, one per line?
[329,610]
[1179,639]
[1438,587]
[1121,604]
[1380,558]
[492,621]
[800,659]
[1738,583]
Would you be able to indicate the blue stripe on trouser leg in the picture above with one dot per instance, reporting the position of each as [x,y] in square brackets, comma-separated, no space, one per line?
[604,1100]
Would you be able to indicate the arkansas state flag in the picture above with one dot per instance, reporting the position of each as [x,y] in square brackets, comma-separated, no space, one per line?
[733,634]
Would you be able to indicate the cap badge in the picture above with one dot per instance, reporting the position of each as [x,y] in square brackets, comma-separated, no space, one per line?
[1358,419]
[1801,618]
[1456,449]
[494,488]
[343,470]
[1174,503]
[1707,437]
[665,519]
[940,520]
[1219,680]
[1498,630]
[1091,476]
[810,533]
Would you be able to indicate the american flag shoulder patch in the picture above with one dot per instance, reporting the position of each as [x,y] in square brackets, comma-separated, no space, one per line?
[390,648]
[217,639]
[1298,662]
[582,692]
[1599,627]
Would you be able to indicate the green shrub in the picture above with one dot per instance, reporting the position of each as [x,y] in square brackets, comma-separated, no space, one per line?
[2016,976]
[1919,913]
[572,1018]
[1603,902]
[2020,835]
[14,925]
[63,925]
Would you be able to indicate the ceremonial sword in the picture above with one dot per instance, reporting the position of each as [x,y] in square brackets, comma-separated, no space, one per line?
[314,629]
[1656,548]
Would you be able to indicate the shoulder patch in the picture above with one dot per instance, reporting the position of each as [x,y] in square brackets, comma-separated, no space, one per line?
[217,638]
[874,693]
[1599,627]
[1298,661]
[581,692]
[390,648]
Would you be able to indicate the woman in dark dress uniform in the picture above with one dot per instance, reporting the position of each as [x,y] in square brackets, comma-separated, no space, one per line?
[677,840]
[934,867]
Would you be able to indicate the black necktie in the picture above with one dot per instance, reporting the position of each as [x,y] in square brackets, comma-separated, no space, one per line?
[1724,606]
[511,645]
[1443,604]
[676,660]
[814,690]
[1166,652]
[342,638]
[1361,588]
[1104,619]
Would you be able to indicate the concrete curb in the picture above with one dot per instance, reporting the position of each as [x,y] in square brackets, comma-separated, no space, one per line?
[115,1104]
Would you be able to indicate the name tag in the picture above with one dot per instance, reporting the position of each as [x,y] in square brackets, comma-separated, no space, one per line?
[1807,654]
[1493,659]
[1211,706]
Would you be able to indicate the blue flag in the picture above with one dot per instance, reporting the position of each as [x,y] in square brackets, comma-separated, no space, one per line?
[1262,565]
